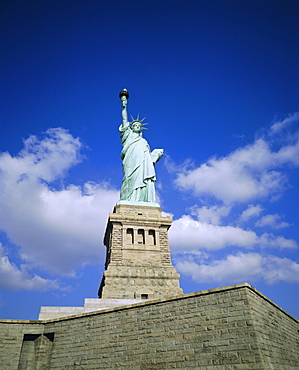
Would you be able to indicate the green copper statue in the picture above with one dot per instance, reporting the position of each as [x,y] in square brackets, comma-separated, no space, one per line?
[138,161]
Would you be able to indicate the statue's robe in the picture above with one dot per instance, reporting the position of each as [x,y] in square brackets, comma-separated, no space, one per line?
[138,167]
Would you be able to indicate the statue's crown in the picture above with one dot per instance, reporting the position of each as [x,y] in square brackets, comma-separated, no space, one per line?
[139,121]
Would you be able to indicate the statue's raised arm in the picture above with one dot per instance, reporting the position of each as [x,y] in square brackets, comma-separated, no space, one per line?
[124,96]
[138,161]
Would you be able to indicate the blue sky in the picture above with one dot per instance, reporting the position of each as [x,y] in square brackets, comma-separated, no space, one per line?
[218,82]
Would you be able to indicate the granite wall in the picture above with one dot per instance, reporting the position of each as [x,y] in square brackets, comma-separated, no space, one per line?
[234,327]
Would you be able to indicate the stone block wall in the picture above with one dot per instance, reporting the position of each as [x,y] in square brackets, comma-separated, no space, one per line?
[16,338]
[277,335]
[234,327]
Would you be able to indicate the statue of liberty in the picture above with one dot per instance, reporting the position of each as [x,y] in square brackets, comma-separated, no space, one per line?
[138,185]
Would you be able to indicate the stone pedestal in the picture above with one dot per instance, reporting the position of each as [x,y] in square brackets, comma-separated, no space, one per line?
[138,264]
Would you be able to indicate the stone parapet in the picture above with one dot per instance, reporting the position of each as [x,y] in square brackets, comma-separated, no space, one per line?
[90,305]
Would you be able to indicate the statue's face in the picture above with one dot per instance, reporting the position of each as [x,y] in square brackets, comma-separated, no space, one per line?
[136,127]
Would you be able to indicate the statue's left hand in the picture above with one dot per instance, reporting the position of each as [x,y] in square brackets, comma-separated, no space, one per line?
[156,154]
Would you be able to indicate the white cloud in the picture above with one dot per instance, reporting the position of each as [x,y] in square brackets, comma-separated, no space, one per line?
[55,229]
[280,269]
[241,267]
[17,279]
[234,268]
[189,234]
[272,221]
[210,214]
[289,154]
[242,176]
[251,211]
[46,159]
[279,242]
[248,173]
[251,172]
[280,125]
